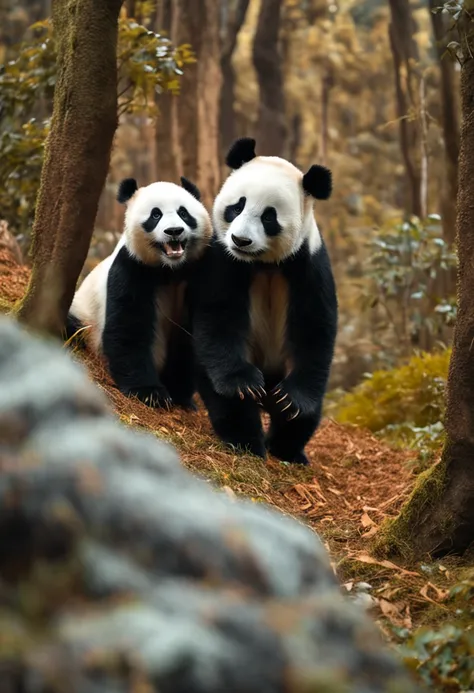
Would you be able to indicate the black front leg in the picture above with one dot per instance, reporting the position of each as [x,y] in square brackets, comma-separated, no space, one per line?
[178,373]
[129,330]
[235,421]
[311,334]
[221,325]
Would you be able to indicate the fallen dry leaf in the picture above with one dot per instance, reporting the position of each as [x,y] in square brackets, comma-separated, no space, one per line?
[229,492]
[365,558]
[335,491]
[439,593]
[391,611]
[366,520]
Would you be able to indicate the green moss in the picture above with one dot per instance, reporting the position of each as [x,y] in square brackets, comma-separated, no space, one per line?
[408,397]
[395,536]
[5,306]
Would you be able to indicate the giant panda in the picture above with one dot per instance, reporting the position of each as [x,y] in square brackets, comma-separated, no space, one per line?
[135,302]
[265,316]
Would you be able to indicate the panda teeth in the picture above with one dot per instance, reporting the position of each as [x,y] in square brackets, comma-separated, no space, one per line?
[174,248]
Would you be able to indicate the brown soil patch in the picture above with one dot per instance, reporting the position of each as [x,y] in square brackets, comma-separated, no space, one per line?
[13,277]
[352,474]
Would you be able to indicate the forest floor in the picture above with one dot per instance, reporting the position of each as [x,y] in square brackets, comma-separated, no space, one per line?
[353,483]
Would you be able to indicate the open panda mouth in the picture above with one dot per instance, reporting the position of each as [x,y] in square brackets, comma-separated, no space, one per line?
[173,249]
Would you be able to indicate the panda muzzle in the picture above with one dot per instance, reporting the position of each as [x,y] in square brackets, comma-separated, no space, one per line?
[174,248]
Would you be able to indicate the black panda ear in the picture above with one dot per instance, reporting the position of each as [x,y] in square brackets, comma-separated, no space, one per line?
[242,151]
[126,190]
[190,187]
[317,182]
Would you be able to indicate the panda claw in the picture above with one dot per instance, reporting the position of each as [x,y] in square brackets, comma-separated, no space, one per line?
[258,392]
[287,407]
[293,416]
[277,391]
[281,399]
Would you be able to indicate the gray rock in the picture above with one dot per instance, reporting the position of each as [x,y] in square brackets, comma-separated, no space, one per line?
[123,573]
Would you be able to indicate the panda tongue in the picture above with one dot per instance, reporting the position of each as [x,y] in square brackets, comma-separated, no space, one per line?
[175,250]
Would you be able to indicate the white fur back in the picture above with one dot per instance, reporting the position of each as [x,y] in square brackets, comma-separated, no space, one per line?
[90,299]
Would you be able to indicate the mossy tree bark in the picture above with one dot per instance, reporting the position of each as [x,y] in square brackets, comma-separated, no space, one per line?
[76,158]
[450,122]
[271,128]
[439,517]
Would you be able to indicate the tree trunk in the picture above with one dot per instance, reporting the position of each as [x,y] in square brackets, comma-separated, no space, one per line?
[76,158]
[439,517]
[167,152]
[327,85]
[192,125]
[405,55]
[449,105]
[233,24]
[271,128]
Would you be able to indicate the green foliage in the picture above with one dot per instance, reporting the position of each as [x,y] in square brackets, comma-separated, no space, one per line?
[147,64]
[443,659]
[405,404]
[407,272]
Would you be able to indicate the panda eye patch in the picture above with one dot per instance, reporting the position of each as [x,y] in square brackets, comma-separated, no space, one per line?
[151,223]
[187,217]
[231,212]
[270,221]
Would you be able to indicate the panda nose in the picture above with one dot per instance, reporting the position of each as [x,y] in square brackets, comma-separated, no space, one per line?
[174,231]
[241,242]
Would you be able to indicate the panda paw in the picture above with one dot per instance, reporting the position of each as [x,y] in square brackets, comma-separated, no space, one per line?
[247,381]
[186,404]
[152,396]
[290,401]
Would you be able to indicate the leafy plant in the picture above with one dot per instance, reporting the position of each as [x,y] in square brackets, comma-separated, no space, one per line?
[147,64]
[408,274]
[443,658]
[405,404]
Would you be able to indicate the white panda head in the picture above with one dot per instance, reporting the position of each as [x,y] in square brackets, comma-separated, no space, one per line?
[264,210]
[165,224]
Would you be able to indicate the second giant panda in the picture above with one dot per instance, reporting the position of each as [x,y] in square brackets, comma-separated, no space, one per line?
[265,316]
[135,302]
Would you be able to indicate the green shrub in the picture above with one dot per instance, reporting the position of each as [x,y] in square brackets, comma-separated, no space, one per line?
[408,284]
[405,403]
[443,658]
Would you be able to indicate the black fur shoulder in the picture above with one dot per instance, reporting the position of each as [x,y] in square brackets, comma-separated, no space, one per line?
[217,274]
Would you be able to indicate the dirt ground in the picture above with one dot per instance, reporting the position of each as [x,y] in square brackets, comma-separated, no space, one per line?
[354,482]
